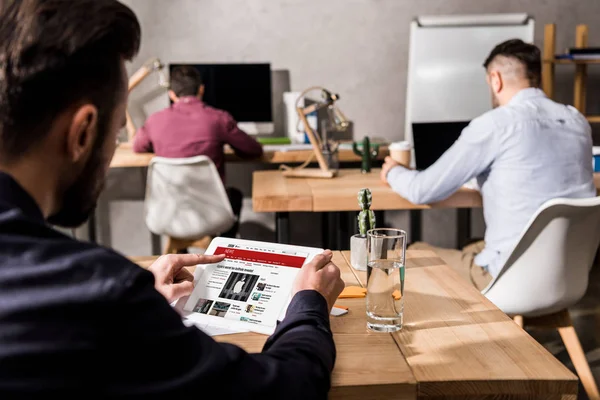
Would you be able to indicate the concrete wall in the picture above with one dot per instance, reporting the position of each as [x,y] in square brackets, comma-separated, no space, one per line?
[358,48]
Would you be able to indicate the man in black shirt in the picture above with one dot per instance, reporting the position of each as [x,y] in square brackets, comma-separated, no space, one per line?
[80,320]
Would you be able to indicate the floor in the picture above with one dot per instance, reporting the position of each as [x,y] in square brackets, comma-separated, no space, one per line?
[586,318]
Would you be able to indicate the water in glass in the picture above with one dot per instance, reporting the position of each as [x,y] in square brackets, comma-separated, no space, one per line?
[385,290]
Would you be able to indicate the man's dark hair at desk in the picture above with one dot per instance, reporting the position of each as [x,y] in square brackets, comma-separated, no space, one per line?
[525,53]
[80,320]
[186,81]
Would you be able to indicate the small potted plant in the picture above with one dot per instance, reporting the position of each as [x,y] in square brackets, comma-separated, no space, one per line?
[366,222]
[368,154]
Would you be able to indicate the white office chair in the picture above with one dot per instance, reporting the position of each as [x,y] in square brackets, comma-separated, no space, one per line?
[186,201]
[548,270]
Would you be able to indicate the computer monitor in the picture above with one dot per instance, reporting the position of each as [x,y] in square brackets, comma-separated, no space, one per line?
[243,90]
[432,139]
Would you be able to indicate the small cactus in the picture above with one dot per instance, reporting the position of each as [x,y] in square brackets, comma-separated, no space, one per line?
[366,217]
[367,154]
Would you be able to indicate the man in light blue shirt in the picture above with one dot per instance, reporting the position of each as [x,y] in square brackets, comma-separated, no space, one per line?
[524,152]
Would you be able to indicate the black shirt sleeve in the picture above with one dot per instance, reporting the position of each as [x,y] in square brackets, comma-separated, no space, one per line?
[150,352]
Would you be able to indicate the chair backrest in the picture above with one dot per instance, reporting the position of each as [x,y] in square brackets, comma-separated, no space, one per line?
[549,267]
[185,198]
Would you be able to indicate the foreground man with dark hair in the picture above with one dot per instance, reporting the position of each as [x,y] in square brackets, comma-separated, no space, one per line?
[80,320]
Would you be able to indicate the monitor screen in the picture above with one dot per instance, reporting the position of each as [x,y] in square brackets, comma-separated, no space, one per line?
[243,90]
[432,139]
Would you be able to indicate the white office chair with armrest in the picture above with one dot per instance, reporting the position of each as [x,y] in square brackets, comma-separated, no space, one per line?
[548,270]
[186,201]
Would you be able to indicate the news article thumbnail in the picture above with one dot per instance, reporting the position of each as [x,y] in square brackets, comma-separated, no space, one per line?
[219,309]
[238,286]
[202,306]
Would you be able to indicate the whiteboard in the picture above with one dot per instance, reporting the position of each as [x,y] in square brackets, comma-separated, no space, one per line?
[446,79]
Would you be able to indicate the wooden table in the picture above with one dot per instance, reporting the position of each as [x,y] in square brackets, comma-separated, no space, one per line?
[455,344]
[125,157]
[368,366]
[272,192]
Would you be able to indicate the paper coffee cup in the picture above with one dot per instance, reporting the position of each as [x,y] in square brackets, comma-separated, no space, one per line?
[400,152]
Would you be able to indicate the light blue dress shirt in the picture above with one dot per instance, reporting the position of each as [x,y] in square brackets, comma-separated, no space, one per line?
[522,154]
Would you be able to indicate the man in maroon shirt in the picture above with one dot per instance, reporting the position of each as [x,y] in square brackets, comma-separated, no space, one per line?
[191,128]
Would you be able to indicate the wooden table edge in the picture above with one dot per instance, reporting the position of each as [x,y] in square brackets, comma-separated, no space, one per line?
[403,391]
[516,387]
[269,157]
[345,254]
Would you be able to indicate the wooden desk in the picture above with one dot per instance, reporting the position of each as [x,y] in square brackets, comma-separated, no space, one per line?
[125,157]
[272,192]
[459,345]
[455,344]
[368,366]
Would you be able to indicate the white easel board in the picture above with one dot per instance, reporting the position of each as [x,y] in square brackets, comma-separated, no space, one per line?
[446,79]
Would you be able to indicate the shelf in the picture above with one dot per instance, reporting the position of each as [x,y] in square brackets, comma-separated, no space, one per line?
[594,119]
[565,61]
[550,61]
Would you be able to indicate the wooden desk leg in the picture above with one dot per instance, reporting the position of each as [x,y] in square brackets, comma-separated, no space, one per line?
[353,215]
[380,219]
[415,226]
[282,227]
[349,228]
[325,233]
[156,245]
[463,227]
[333,230]
[334,233]
[343,235]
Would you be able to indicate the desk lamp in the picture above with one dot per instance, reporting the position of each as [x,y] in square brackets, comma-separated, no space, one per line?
[145,70]
[337,120]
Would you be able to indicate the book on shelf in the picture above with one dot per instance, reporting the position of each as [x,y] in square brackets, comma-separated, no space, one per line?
[583,51]
[585,57]
[575,57]
[587,53]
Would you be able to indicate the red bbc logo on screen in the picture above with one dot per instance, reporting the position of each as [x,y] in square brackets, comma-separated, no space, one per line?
[260,257]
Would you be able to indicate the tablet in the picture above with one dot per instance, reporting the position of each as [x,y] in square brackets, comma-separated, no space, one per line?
[249,290]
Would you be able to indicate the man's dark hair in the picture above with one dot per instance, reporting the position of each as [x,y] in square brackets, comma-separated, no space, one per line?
[527,54]
[55,54]
[185,81]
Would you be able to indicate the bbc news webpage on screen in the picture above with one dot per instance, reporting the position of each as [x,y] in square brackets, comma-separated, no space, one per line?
[252,285]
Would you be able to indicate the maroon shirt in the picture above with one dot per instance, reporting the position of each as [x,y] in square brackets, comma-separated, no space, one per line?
[190,128]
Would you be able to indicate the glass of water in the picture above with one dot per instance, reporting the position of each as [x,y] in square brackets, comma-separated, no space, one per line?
[385,279]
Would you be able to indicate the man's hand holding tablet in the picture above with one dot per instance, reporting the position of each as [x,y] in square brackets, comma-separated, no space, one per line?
[322,276]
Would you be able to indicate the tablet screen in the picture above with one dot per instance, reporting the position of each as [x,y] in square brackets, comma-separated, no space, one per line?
[250,288]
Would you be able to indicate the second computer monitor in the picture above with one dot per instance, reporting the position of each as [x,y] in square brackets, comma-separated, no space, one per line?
[243,90]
